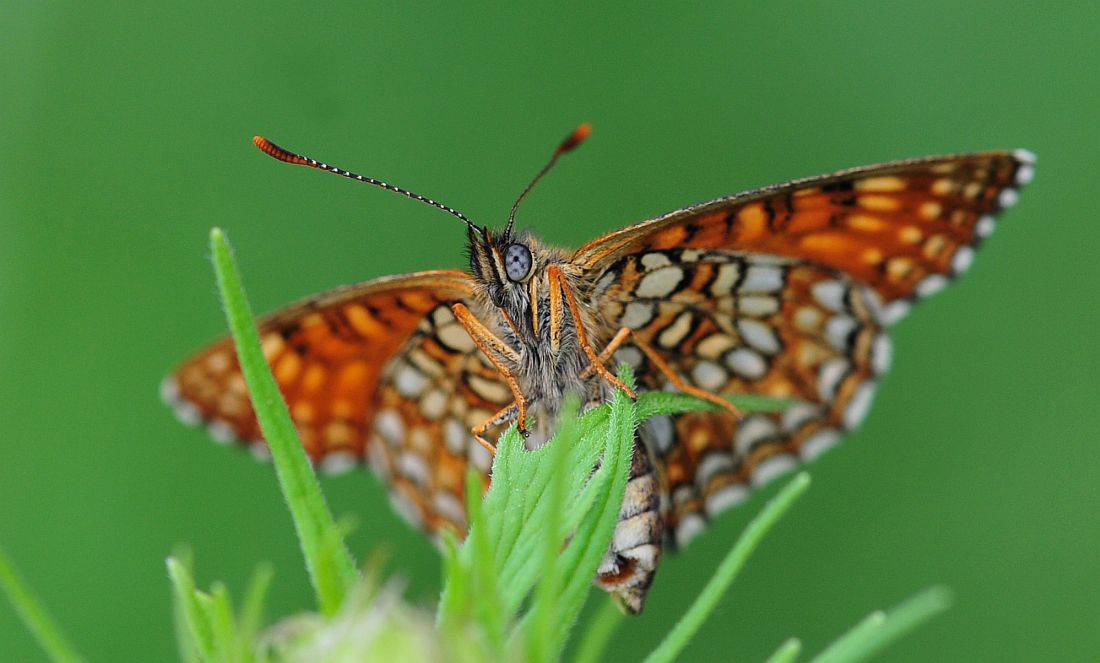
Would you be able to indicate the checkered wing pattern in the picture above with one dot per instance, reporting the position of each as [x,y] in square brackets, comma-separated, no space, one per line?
[904,228]
[378,371]
[786,292]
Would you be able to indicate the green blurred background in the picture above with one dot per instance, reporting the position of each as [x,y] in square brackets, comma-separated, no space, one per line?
[124,135]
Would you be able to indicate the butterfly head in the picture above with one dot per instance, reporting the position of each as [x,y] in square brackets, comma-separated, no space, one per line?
[505,264]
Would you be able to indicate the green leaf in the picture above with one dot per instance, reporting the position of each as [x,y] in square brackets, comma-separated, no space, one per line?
[194,612]
[252,610]
[34,615]
[331,567]
[787,652]
[880,629]
[690,622]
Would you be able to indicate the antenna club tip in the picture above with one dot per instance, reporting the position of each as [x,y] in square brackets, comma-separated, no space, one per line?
[273,150]
[576,138]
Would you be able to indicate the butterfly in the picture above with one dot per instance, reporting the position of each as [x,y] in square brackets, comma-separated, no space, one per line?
[787,291]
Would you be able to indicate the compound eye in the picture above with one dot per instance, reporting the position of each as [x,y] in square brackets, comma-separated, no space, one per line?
[518,262]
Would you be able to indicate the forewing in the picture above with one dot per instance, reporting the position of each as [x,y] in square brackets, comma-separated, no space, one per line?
[377,371]
[739,323]
[903,228]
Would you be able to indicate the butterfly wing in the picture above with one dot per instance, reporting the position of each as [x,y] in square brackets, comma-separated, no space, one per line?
[379,371]
[785,292]
[904,228]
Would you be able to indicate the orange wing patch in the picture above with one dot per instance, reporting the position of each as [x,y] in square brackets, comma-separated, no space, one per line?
[327,355]
[903,228]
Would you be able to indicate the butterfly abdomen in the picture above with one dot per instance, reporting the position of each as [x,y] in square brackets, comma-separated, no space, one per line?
[628,568]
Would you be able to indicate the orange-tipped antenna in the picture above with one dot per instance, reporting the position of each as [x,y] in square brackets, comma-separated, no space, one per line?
[571,141]
[273,150]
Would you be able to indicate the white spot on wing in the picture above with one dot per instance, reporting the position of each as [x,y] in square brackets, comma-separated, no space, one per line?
[829,377]
[652,261]
[797,416]
[672,335]
[830,294]
[772,467]
[709,375]
[1025,156]
[985,226]
[839,329]
[434,404]
[221,432]
[746,363]
[390,426]
[1025,174]
[637,315]
[727,275]
[169,391]
[413,467]
[895,311]
[757,305]
[187,413]
[882,354]
[762,278]
[660,432]
[409,381]
[454,336]
[753,430]
[259,451]
[715,462]
[690,527]
[660,283]
[725,497]
[406,508]
[455,436]
[962,259]
[931,284]
[1008,198]
[759,335]
[819,443]
[338,462]
[629,355]
[858,406]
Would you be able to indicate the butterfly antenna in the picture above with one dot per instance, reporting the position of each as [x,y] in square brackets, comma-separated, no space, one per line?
[273,150]
[571,141]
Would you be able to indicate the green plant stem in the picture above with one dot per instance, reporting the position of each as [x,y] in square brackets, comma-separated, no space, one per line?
[693,619]
[34,615]
[787,652]
[879,629]
[333,573]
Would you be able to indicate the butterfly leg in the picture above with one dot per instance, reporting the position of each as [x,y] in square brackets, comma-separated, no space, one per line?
[507,413]
[626,333]
[559,287]
[659,362]
[500,354]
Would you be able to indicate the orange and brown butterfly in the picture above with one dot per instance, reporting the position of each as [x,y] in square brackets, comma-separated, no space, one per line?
[786,291]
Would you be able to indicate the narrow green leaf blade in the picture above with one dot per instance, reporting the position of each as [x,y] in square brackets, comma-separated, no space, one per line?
[880,629]
[787,652]
[34,615]
[693,619]
[331,574]
[194,613]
